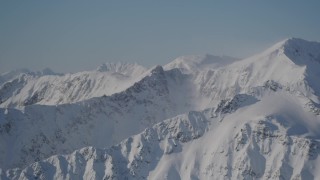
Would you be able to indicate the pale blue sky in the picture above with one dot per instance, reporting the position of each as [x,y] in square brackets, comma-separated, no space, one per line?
[74,35]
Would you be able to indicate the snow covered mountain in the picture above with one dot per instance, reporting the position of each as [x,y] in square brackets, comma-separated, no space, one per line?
[43,130]
[292,65]
[256,118]
[23,88]
[271,138]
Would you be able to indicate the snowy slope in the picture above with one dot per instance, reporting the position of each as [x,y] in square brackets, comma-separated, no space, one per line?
[46,130]
[272,138]
[256,118]
[48,88]
[279,67]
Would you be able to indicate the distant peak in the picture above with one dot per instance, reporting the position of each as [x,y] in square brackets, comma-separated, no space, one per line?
[122,68]
[192,63]
[201,59]
[157,70]
[110,66]
[117,66]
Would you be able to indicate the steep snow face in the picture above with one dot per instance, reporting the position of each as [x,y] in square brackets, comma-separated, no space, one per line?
[272,138]
[51,89]
[305,53]
[40,131]
[302,51]
[278,66]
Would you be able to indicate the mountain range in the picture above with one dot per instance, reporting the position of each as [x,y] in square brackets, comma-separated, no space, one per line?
[197,117]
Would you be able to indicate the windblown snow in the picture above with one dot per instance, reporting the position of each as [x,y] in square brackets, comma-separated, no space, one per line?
[198,117]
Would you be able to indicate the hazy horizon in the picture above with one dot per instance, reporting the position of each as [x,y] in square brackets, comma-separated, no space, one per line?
[70,36]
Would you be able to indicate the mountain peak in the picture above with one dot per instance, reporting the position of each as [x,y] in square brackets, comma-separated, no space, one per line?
[294,40]
[299,51]
[302,51]
[157,69]
[291,42]
[193,63]
[114,66]
[122,68]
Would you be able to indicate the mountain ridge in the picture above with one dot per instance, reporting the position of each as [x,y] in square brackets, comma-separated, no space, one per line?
[63,128]
[33,88]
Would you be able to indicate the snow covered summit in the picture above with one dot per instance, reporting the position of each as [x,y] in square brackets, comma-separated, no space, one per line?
[301,50]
